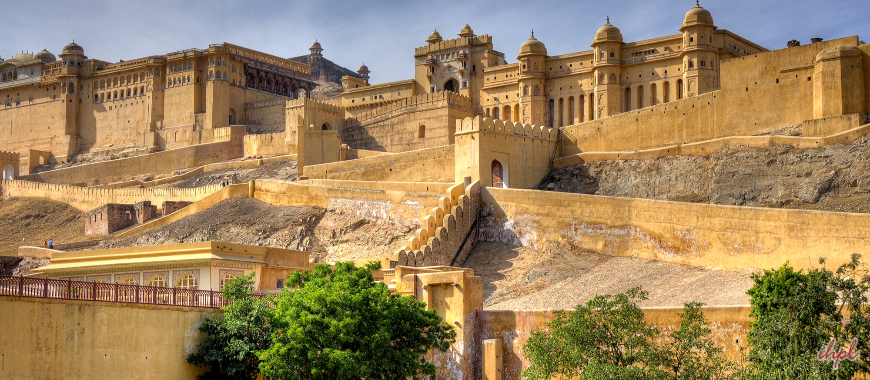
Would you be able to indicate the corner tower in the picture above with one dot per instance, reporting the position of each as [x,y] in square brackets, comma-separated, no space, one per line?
[532,59]
[607,69]
[699,54]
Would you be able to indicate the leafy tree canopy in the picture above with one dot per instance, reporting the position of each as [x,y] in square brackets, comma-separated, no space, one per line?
[340,324]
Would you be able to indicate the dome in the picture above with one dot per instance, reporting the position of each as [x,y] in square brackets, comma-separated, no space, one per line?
[73,48]
[45,56]
[466,31]
[363,69]
[837,52]
[23,57]
[434,37]
[532,47]
[608,32]
[315,46]
[697,16]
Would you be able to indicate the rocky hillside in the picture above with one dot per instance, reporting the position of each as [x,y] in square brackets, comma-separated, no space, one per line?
[31,221]
[832,178]
[328,236]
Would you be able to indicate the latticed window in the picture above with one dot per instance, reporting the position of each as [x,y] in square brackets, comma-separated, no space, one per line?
[128,281]
[226,278]
[157,281]
[186,281]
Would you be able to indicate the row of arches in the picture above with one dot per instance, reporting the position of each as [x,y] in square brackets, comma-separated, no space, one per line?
[571,110]
[506,113]
[119,81]
[276,84]
[115,95]
[642,97]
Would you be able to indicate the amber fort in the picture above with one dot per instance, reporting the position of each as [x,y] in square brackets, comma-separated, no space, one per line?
[495,185]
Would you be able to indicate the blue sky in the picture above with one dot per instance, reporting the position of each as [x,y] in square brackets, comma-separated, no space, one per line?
[383,34]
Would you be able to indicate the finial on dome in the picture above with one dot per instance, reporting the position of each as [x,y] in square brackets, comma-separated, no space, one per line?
[533,33]
[696,3]
[608,18]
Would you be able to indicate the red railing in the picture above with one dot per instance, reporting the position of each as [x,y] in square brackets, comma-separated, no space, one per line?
[95,291]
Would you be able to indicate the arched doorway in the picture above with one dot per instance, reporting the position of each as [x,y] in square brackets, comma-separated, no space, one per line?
[8,172]
[232,116]
[499,174]
[451,85]
[325,126]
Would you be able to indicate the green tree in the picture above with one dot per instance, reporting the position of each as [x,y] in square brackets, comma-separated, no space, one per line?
[690,353]
[341,324]
[797,313]
[231,343]
[605,338]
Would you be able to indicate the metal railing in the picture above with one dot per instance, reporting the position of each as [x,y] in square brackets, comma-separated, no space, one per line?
[95,291]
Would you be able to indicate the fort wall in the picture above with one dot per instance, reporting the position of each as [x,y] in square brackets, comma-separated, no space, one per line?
[521,152]
[141,166]
[424,165]
[713,236]
[759,94]
[86,199]
[422,121]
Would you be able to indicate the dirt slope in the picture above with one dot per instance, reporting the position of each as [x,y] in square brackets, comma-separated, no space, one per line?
[36,220]
[283,170]
[327,235]
[832,178]
[518,278]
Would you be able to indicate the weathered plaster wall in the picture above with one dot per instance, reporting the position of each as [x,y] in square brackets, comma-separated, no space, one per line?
[759,94]
[66,339]
[141,166]
[712,236]
[729,326]
[424,165]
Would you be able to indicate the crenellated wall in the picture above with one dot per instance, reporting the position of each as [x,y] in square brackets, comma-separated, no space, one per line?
[10,163]
[516,154]
[142,166]
[85,199]
[448,231]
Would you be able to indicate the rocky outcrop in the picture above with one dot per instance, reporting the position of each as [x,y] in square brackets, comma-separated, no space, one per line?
[776,176]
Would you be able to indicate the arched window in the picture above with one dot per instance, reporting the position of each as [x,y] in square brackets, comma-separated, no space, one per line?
[537,90]
[142,90]
[157,281]
[581,106]
[128,281]
[506,113]
[666,92]
[679,89]
[128,92]
[18,102]
[552,110]
[115,95]
[627,106]
[652,94]
[495,113]
[421,131]
[487,113]
[186,281]
[571,110]
[8,172]
[639,97]
[135,91]
[497,174]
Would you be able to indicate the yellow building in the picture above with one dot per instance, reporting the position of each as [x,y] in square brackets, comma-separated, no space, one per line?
[193,266]
[79,105]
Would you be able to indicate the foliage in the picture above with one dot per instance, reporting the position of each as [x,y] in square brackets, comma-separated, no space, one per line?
[232,342]
[341,324]
[796,313]
[607,339]
[690,352]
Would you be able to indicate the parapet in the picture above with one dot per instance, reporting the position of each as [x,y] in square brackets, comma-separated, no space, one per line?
[266,103]
[446,98]
[9,156]
[311,103]
[452,44]
[480,124]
